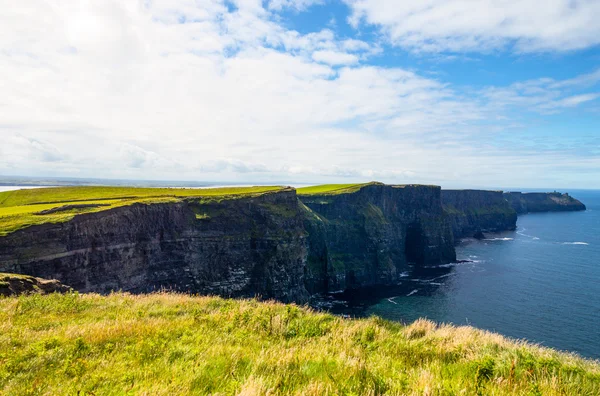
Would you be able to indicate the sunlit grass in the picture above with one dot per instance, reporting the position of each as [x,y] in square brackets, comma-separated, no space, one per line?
[20,208]
[165,344]
[330,189]
[70,194]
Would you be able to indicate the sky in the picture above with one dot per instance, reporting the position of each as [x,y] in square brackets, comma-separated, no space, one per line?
[459,93]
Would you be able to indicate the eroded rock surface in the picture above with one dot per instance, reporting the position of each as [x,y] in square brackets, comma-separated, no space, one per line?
[14,285]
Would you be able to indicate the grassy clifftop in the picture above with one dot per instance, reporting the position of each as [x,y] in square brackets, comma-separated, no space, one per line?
[331,189]
[22,208]
[177,344]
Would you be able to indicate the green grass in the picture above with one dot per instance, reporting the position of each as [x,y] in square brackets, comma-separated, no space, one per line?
[330,189]
[166,344]
[334,189]
[18,209]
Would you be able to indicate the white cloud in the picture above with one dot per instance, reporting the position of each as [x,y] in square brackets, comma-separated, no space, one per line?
[334,58]
[544,95]
[190,90]
[293,4]
[483,25]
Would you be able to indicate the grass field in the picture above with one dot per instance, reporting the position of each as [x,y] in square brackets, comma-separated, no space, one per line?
[20,208]
[330,189]
[166,344]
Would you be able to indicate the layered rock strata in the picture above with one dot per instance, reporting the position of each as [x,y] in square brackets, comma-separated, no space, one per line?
[231,247]
[370,237]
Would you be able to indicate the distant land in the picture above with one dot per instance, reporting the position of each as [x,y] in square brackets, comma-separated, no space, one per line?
[31,181]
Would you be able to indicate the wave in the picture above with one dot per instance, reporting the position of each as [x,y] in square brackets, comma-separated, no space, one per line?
[448,265]
[499,239]
[412,292]
[574,243]
[522,233]
[392,300]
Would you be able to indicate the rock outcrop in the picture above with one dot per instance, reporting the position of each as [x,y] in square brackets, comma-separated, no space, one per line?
[240,247]
[474,212]
[14,285]
[543,202]
[370,237]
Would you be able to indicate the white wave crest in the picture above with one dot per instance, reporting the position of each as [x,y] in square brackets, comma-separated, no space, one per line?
[392,300]
[575,243]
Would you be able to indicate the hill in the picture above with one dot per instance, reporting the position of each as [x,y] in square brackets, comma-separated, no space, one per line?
[164,344]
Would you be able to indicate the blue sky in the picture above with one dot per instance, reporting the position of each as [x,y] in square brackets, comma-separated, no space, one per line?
[491,93]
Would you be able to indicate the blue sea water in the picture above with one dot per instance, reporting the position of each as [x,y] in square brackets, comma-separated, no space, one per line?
[540,283]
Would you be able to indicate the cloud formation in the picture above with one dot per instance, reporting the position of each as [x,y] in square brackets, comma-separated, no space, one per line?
[214,90]
[476,25]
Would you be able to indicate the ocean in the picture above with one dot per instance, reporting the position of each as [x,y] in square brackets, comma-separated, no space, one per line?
[540,283]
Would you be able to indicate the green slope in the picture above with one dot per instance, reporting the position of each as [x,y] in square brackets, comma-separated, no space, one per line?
[331,189]
[165,344]
[21,208]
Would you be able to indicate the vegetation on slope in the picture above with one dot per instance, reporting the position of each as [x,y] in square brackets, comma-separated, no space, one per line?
[23,208]
[177,344]
[331,189]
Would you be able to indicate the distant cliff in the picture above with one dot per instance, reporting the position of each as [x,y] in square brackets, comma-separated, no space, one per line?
[543,202]
[472,212]
[369,237]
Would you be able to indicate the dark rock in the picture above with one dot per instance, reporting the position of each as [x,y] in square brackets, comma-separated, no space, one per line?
[65,208]
[479,235]
[14,285]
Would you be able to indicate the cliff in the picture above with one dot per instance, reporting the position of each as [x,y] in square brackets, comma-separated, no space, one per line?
[238,247]
[543,202]
[370,236]
[267,242]
[241,246]
[472,212]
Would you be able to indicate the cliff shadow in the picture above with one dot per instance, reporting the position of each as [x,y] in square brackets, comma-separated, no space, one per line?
[414,246]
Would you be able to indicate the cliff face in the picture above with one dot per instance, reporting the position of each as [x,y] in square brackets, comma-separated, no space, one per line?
[370,236]
[543,202]
[475,211]
[231,247]
[273,245]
